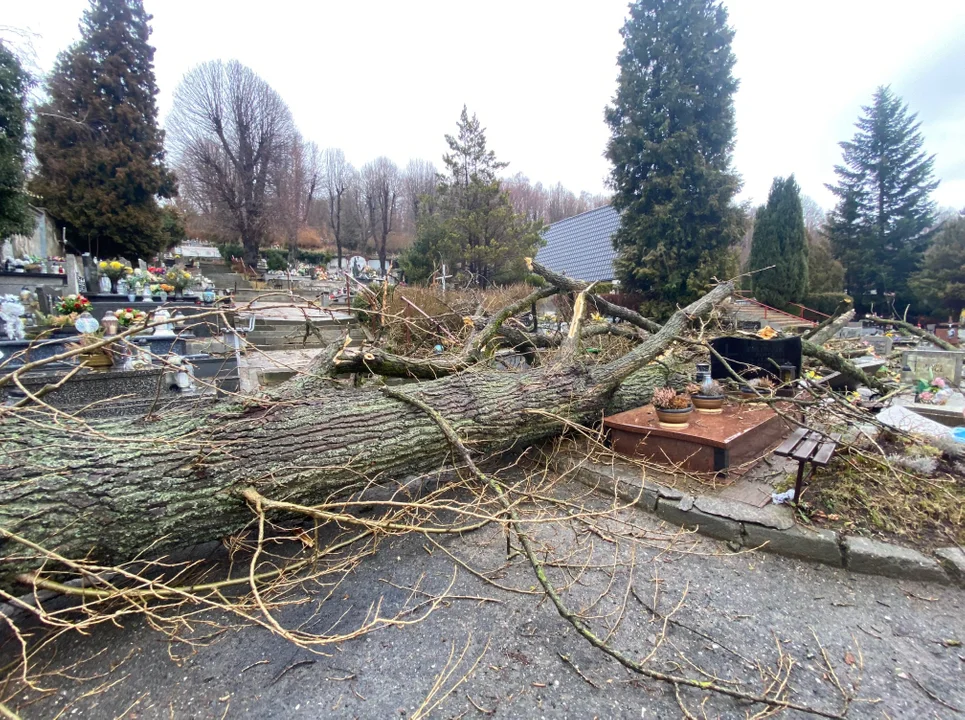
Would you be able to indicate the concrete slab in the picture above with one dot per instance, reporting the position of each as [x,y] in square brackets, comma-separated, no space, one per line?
[772,516]
[953,560]
[812,544]
[904,418]
[870,556]
[684,513]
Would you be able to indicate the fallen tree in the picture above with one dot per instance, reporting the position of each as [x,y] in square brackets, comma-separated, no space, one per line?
[107,490]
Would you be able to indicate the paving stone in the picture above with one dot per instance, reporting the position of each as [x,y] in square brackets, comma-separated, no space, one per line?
[953,560]
[878,558]
[685,514]
[805,543]
[771,516]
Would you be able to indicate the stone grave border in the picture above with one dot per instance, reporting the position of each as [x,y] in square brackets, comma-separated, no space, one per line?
[771,528]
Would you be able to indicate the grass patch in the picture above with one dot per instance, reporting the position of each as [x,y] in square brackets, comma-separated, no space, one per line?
[904,491]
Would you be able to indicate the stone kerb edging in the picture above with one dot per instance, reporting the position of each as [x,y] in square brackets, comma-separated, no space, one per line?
[771,528]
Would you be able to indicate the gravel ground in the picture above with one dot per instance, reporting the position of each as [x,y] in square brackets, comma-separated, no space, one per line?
[899,643]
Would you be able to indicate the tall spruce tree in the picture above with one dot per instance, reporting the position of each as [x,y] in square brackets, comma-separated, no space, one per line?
[672,137]
[15,216]
[780,240]
[99,149]
[884,216]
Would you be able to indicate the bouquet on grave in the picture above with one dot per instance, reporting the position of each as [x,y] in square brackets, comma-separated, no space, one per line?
[178,277]
[140,278]
[932,390]
[72,305]
[114,269]
[129,317]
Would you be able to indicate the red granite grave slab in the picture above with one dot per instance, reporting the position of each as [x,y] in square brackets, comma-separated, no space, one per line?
[710,443]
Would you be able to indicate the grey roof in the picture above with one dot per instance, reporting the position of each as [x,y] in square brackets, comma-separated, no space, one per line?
[580,247]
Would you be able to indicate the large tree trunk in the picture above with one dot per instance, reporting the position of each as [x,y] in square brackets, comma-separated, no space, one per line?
[177,479]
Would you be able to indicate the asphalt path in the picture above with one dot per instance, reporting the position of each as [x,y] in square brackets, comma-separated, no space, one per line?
[895,646]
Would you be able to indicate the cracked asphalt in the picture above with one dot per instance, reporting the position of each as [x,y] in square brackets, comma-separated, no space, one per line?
[895,645]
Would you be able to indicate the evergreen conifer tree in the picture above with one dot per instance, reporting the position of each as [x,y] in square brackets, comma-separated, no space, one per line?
[15,216]
[884,216]
[672,137]
[940,284]
[780,240]
[99,149]
[476,230]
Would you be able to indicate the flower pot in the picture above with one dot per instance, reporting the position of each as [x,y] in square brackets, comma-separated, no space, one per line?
[164,296]
[131,297]
[676,418]
[708,404]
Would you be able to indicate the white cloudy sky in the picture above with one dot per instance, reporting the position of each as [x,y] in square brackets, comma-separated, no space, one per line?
[386,77]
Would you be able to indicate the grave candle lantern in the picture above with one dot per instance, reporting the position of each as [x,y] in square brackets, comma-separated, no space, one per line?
[109,323]
[788,373]
[86,323]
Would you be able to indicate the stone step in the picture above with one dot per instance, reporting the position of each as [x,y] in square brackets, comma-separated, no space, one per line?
[283,347]
[282,326]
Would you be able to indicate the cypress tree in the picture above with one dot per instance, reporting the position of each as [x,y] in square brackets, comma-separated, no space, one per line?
[885,216]
[15,217]
[99,149]
[671,144]
[780,239]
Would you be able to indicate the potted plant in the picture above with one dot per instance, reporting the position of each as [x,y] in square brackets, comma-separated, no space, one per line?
[114,270]
[757,388]
[673,409]
[708,397]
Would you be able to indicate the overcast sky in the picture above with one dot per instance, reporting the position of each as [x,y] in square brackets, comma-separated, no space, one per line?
[390,77]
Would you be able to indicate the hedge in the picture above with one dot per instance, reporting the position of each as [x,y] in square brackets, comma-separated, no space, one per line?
[825,303]
[277,258]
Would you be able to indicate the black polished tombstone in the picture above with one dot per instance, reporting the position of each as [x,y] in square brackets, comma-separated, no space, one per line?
[752,357]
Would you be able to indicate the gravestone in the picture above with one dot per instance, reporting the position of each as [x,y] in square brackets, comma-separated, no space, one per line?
[751,325]
[926,364]
[881,344]
[73,269]
[752,358]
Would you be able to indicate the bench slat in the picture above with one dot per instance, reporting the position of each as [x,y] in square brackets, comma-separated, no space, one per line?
[826,451]
[803,452]
[791,442]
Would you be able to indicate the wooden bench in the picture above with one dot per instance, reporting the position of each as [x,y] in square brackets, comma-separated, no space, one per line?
[808,446]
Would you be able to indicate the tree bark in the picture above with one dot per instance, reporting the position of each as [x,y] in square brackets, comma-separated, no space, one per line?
[916,331]
[177,480]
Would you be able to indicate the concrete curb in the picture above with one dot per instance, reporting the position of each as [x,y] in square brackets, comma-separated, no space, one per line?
[771,528]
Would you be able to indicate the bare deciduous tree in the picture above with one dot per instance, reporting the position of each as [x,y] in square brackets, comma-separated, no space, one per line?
[297,185]
[550,205]
[814,215]
[419,183]
[230,133]
[338,178]
[381,181]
